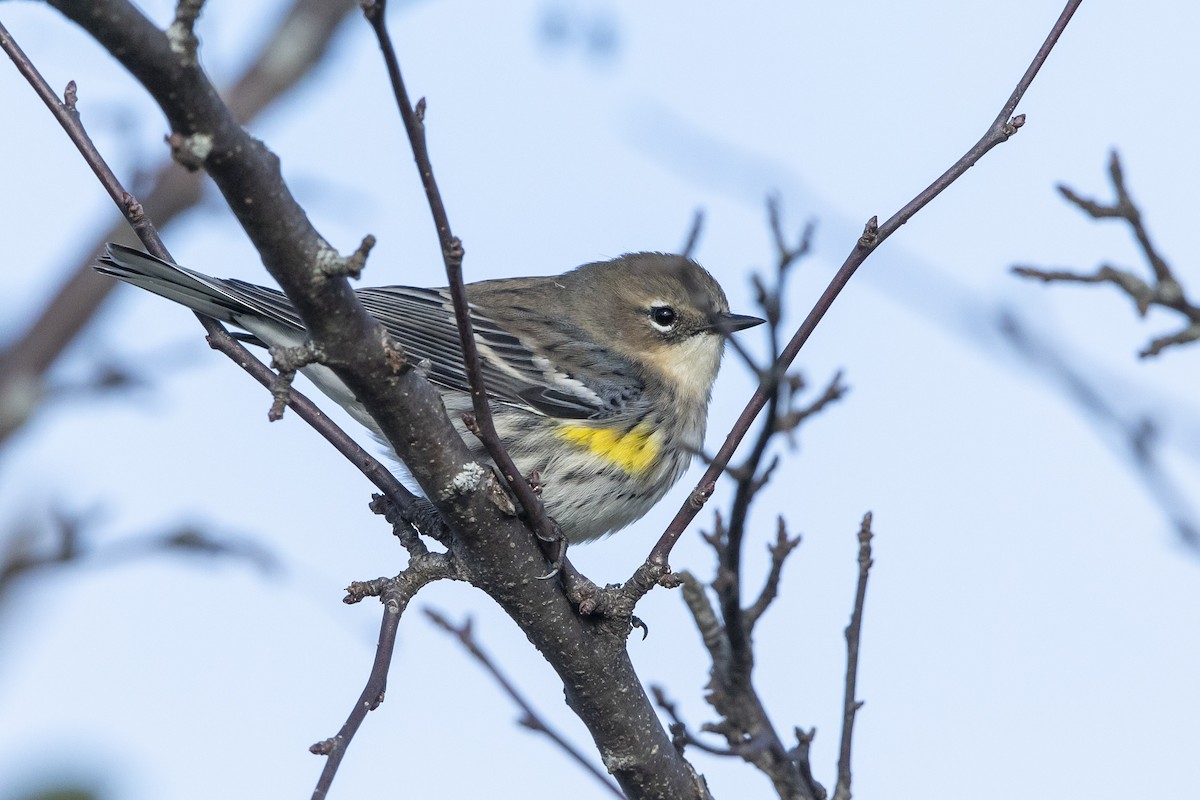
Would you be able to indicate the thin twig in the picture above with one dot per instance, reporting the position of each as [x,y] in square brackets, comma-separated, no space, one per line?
[1124,208]
[681,736]
[400,590]
[712,632]
[780,550]
[28,549]
[205,131]
[182,31]
[850,706]
[693,237]
[801,754]
[749,482]
[395,594]
[834,391]
[452,255]
[1000,131]
[372,695]
[530,718]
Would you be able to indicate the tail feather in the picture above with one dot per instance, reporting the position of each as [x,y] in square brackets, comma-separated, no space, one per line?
[266,313]
[228,301]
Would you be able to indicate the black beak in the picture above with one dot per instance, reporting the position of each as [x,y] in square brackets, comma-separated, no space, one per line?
[728,323]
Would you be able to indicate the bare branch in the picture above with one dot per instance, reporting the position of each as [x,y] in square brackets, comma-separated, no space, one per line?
[374,470]
[452,254]
[615,603]
[745,723]
[850,706]
[780,550]
[409,412]
[1159,343]
[636,743]
[1124,208]
[406,526]
[693,237]
[28,549]
[182,33]
[395,594]
[1165,291]
[751,476]
[787,254]
[1001,129]
[800,755]
[712,632]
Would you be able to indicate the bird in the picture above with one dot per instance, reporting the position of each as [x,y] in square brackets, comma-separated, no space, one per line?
[599,379]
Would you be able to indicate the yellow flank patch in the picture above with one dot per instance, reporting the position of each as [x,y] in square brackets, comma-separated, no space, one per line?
[633,451]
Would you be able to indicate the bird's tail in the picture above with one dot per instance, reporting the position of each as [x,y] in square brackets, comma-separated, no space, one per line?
[227,300]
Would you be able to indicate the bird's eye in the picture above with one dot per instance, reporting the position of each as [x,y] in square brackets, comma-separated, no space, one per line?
[663,317]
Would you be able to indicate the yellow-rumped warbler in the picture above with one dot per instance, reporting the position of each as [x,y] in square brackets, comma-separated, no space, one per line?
[599,378]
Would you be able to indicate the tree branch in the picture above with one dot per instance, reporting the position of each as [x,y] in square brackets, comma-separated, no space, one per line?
[452,255]
[530,718]
[780,550]
[850,706]
[499,555]
[744,720]
[1165,291]
[1133,435]
[24,550]
[1001,129]
[395,594]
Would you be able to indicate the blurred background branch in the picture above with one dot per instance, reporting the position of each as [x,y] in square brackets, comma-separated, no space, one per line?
[1162,290]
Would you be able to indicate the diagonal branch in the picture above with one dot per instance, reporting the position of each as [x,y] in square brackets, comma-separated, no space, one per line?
[395,594]
[205,132]
[452,255]
[1001,129]
[744,721]
[499,554]
[1132,435]
[780,550]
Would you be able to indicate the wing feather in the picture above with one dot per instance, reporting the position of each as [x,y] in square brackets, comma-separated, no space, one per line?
[422,320]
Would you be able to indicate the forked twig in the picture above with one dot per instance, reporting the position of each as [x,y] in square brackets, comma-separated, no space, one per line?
[1164,291]
[395,594]
[334,748]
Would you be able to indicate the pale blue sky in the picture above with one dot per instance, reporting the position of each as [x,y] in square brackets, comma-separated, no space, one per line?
[1031,619]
